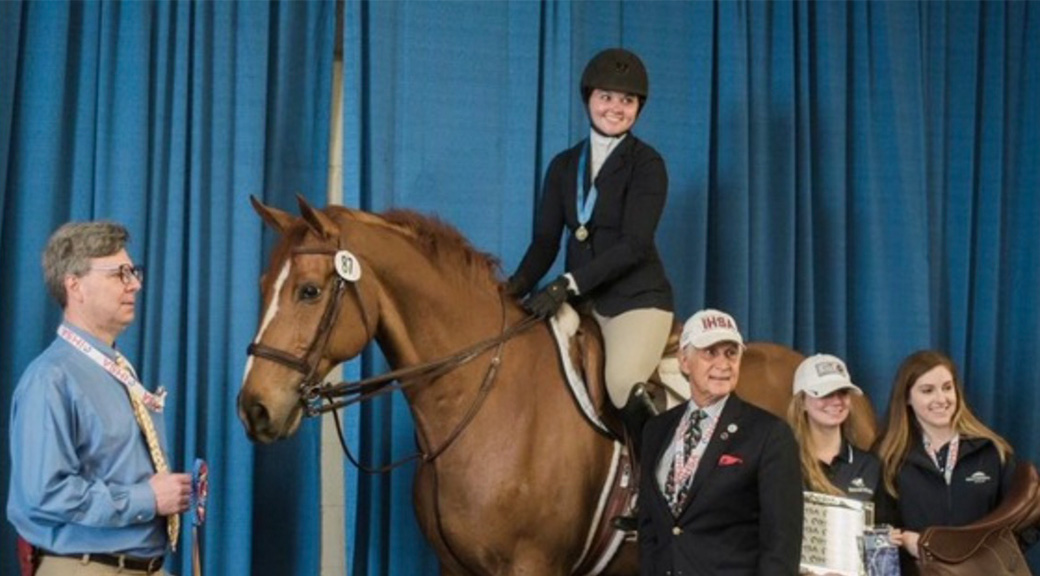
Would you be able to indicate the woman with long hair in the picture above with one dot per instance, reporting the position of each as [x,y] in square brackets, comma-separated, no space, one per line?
[820,415]
[941,464]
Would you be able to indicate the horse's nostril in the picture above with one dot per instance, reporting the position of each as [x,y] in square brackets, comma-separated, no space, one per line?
[253,413]
[258,415]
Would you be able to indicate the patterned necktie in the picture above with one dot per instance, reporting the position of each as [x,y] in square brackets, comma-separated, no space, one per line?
[679,474]
[151,438]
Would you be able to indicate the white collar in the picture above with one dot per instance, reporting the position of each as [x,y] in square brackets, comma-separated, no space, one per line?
[604,143]
[713,410]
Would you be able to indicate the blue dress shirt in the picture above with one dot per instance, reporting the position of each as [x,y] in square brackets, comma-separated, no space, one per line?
[79,462]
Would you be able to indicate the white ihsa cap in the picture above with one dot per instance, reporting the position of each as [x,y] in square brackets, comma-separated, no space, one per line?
[709,327]
[821,375]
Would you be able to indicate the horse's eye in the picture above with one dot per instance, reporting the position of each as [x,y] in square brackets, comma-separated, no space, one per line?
[309,292]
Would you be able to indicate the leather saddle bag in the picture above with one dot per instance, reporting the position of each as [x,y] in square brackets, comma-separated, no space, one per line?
[988,547]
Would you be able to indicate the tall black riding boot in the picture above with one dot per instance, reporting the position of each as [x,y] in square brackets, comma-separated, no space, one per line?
[637,410]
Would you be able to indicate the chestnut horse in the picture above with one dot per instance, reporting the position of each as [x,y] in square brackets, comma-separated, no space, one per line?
[512,472]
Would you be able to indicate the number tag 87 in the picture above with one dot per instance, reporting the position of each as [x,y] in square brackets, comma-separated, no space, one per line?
[347,266]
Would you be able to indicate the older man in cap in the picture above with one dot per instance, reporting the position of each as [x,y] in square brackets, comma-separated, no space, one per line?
[721,486]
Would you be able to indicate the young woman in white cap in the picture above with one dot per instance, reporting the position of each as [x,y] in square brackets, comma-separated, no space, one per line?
[820,415]
[608,192]
[942,465]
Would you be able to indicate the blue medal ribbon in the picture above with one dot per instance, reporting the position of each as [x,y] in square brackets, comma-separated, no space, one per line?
[585,203]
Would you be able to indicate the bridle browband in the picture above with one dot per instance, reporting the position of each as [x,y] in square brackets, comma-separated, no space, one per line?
[318,397]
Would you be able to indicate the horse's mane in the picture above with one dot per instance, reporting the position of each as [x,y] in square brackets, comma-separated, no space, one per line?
[439,241]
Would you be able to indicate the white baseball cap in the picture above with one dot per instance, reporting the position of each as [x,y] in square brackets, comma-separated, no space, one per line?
[709,327]
[821,375]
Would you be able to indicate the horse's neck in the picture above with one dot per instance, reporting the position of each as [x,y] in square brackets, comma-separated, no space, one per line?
[426,319]
[429,308]
[425,312]
[421,321]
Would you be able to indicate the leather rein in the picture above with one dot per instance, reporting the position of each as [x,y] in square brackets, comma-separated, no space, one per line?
[318,397]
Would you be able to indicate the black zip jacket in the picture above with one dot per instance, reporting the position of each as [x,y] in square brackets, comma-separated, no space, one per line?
[978,483]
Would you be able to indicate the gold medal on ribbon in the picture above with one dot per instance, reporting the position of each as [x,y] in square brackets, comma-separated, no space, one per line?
[585,204]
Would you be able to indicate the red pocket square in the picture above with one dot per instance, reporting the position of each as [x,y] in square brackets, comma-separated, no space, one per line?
[730,460]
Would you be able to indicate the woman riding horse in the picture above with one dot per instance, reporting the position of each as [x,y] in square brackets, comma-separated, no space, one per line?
[517,489]
[512,473]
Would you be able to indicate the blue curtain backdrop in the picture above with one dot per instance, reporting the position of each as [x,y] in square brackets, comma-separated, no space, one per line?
[853,178]
[165,117]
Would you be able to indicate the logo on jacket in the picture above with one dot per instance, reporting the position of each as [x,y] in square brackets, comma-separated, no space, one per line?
[978,477]
[858,486]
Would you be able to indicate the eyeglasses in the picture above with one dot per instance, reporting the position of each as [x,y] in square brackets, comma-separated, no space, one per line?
[125,272]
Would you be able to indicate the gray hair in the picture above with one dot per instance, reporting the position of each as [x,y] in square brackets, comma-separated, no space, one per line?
[71,247]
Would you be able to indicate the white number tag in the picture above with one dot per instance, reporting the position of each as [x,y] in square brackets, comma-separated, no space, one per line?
[347,266]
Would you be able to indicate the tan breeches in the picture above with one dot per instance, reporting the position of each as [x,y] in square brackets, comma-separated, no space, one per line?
[633,343]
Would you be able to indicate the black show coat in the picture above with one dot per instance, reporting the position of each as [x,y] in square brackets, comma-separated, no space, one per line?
[744,514]
[618,266]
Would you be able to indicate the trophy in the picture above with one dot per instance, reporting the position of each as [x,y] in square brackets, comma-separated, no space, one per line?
[832,537]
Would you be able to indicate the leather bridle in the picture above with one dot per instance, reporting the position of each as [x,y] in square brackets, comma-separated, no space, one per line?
[318,397]
[310,386]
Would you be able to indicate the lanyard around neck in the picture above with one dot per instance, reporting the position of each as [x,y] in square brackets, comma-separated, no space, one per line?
[946,469]
[683,464]
[154,402]
[586,203]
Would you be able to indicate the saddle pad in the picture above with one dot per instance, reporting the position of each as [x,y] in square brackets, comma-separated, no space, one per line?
[564,325]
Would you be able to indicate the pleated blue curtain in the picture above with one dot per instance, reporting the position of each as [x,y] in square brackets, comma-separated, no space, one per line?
[166,117]
[856,178]
[846,177]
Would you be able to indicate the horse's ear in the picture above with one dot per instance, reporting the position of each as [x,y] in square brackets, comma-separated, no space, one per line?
[271,216]
[316,220]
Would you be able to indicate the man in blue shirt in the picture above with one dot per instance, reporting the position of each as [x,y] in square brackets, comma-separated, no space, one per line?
[86,437]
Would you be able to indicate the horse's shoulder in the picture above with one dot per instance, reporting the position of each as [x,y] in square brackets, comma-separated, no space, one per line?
[773,363]
[766,375]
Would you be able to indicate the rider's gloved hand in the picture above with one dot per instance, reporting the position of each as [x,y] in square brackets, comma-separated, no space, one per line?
[548,300]
[514,287]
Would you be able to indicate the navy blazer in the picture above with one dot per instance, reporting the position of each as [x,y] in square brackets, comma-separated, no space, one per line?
[618,266]
[743,515]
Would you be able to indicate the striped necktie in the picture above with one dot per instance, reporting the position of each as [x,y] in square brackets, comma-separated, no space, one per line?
[151,438]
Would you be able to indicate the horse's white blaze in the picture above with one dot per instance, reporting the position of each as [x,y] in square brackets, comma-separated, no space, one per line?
[269,315]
